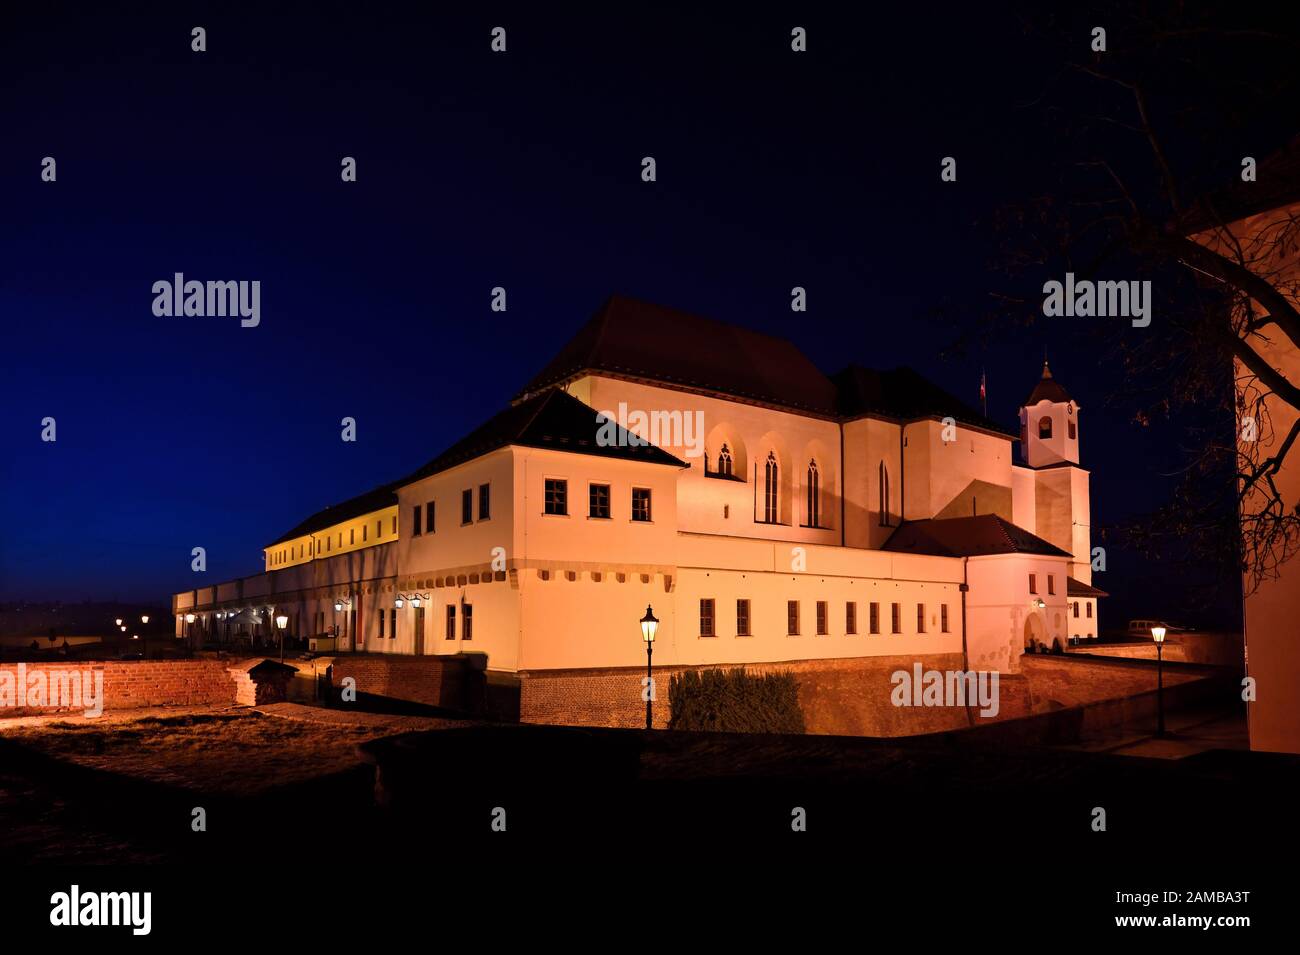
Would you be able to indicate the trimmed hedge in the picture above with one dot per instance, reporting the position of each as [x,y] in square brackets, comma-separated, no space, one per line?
[735,701]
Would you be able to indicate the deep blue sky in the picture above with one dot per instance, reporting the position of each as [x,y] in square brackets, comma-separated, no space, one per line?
[475,170]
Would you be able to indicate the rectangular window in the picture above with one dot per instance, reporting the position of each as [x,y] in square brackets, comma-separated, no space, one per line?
[851,617]
[1051,584]
[557,496]
[1089,611]
[895,618]
[792,617]
[328,541]
[1033,583]
[1075,608]
[640,504]
[379,529]
[920,618]
[598,500]
[466,506]
[484,501]
[451,621]
[467,622]
[417,525]
[873,615]
[706,618]
[381,624]
[742,618]
[365,533]
[822,623]
[352,535]
[394,525]
[429,523]
[943,618]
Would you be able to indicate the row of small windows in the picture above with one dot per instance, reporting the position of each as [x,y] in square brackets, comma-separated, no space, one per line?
[388,622]
[423,520]
[709,620]
[555,501]
[1075,608]
[1051,584]
[325,545]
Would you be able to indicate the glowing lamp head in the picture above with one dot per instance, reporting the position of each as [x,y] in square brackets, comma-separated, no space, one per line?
[282,621]
[1158,633]
[135,636]
[1040,603]
[189,618]
[399,603]
[144,618]
[338,606]
[122,628]
[649,625]
[117,622]
[415,601]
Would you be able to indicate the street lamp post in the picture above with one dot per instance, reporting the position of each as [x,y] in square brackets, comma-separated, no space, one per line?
[144,647]
[649,624]
[1159,634]
[281,622]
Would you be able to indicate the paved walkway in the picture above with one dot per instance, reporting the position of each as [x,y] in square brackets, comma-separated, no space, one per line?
[1186,735]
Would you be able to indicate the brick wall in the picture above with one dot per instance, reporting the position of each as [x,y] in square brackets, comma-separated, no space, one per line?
[841,697]
[127,684]
[447,681]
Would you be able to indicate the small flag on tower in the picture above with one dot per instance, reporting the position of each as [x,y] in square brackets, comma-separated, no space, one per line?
[984,398]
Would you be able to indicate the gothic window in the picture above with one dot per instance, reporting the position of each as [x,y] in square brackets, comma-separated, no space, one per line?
[884,495]
[724,461]
[770,476]
[814,516]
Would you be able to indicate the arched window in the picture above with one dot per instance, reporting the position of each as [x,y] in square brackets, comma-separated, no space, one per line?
[770,475]
[724,461]
[814,496]
[1044,427]
[884,495]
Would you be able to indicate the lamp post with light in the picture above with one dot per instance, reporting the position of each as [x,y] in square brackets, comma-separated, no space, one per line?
[281,622]
[144,647]
[189,630]
[649,624]
[1159,634]
[340,604]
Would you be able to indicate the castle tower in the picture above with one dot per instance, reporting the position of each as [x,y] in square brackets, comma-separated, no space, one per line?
[1049,424]
[1049,448]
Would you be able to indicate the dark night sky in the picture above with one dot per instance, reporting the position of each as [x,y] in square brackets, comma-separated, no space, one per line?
[475,170]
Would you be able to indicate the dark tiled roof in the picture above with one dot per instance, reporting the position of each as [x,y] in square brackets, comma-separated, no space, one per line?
[1077,588]
[638,340]
[1277,184]
[375,500]
[1047,389]
[553,419]
[902,393]
[968,537]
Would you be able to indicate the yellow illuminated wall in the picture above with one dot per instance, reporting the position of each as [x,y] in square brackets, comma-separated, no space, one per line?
[377,527]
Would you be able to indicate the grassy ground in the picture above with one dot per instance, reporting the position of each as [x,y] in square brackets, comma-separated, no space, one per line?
[237,753]
[123,788]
